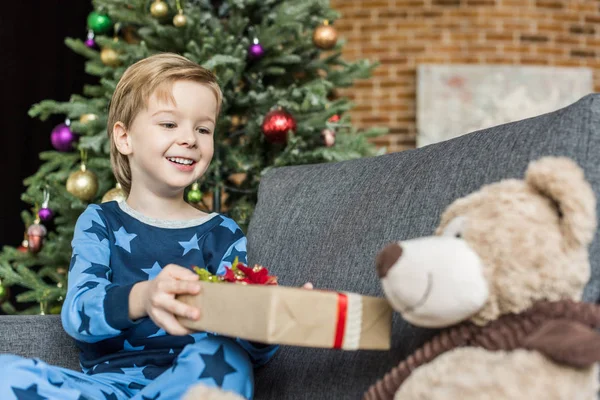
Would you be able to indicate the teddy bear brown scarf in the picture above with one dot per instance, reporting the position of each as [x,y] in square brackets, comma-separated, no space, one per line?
[563,331]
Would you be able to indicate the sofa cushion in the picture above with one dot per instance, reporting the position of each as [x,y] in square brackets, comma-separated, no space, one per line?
[325,224]
[38,336]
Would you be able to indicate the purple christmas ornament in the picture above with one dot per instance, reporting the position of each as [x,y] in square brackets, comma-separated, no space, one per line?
[45,214]
[90,42]
[62,137]
[256,50]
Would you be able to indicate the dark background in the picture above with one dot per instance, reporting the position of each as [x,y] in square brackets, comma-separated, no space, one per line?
[35,65]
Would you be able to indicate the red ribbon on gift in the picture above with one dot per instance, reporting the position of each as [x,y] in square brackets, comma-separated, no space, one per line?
[342,314]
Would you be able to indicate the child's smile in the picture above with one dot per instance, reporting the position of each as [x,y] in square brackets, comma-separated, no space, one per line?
[182,164]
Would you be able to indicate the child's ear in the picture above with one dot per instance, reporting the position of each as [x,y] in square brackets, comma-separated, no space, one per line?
[121,138]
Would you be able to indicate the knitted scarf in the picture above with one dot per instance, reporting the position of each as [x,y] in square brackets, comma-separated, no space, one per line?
[561,330]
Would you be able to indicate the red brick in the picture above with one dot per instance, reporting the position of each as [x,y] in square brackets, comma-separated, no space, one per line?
[500,36]
[582,29]
[592,19]
[428,14]
[592,42]
[534,38]
[393,59]
[409,3]
[566,17]
[556,51]
[498,59]
[552,4]
[555,27]
[583,53]
[529,60]
[446,3]
[392,13]
[475,3]
[516,26]
[582,6]
[520,48]
[428,37]
[564,39]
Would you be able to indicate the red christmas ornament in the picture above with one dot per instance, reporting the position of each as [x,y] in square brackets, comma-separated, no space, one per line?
[334,118]
[276,125]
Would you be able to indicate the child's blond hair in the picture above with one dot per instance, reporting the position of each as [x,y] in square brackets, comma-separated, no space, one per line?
[153,75]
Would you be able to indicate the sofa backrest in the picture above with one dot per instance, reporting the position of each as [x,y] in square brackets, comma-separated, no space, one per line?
[38,336]
[325,224]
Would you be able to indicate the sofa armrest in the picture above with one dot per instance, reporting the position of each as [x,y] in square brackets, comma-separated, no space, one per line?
[38,336]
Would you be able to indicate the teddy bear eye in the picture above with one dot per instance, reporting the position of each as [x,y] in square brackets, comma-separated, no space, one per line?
[455,227]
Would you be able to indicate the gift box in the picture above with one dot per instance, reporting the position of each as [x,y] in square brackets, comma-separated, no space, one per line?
[292,316]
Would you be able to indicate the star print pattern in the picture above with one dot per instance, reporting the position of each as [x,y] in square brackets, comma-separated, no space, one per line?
[123,239]
[109,396]
[215,366]
[57,384]
[31,393]
[85,321]
[73,261]
[190,245]
[98,230]
[128,347]
[98,270]
[88,285]
[152,272]
[112,251]
[241,255]
[230,224]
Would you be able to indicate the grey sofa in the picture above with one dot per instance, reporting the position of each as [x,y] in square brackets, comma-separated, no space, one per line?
[325,223]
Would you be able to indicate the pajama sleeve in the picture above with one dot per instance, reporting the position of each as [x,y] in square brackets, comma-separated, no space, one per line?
[94,308]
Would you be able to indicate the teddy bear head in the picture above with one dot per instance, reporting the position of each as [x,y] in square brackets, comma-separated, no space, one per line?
[498,250]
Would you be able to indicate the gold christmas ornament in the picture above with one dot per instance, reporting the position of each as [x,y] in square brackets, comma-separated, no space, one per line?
[83,184]
[109,57]
[180,20]
[85,118]
[325,36]
[159,9]
[115,194]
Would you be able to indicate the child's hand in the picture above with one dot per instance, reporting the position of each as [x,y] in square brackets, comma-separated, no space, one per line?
[160,303]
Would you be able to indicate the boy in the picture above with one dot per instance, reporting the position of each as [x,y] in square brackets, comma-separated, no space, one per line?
[131,259]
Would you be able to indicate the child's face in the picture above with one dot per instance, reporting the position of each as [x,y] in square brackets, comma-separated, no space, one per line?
[171,145]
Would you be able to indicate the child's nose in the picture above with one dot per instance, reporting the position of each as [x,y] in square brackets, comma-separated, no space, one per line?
[187,138]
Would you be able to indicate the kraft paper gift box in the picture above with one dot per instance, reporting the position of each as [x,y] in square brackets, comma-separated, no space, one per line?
[292,316]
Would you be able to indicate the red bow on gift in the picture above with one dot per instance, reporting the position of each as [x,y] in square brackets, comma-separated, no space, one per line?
[239,273]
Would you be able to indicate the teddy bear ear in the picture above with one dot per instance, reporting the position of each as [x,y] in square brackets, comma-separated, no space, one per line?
[563,181]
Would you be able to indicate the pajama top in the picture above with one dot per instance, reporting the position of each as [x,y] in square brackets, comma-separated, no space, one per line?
[115,247]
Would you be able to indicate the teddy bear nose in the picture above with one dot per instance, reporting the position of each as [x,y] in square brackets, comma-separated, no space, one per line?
[387,258]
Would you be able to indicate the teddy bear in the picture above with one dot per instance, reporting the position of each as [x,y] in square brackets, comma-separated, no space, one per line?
[502,280]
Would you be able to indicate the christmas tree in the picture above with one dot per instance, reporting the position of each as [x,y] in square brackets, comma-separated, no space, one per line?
[279,64]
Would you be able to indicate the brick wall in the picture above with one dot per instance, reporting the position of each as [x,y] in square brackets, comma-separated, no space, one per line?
[404,33]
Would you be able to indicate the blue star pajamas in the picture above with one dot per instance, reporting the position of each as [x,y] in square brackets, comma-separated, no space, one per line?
[115,247]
